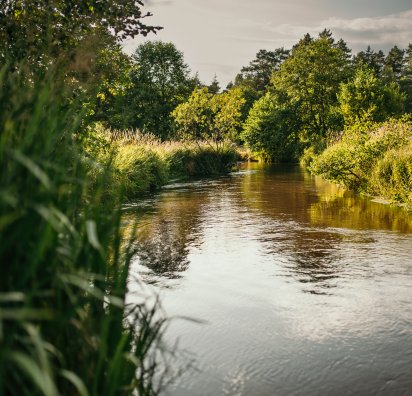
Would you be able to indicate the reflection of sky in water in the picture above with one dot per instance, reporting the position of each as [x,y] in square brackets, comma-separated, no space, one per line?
[305,288]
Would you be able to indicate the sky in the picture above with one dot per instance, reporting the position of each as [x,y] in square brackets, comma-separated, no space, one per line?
[220,36]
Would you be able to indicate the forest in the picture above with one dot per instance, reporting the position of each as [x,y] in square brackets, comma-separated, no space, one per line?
[85,128]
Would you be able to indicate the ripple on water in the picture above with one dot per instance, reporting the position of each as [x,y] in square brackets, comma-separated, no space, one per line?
[302,293]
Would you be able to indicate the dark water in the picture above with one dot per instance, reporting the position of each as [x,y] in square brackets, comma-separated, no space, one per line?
[304,289]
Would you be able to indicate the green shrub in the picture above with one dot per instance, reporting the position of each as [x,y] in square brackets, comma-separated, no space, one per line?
[392,175]
[269,133]
[378,149]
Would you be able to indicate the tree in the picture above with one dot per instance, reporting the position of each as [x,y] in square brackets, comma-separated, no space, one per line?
[371,59]
[406,78]
[270,130]
[259,71]
[365,98]
[38,31]
[255,78]
[160,82]
[111,79]
[214,86]
[210,117]
[308,82]
[393,64]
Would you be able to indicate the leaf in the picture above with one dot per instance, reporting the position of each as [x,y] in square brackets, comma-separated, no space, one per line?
[40,378]
[91,230]
[75,381]
[34,169]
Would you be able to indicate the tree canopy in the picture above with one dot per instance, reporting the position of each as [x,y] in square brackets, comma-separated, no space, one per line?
[35,30]
[159,82]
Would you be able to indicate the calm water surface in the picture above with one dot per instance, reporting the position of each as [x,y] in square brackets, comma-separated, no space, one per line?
[304,289]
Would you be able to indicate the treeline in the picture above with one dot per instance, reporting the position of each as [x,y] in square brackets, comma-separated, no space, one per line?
[284,104]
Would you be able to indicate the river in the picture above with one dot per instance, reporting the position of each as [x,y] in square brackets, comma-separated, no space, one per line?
[300,287]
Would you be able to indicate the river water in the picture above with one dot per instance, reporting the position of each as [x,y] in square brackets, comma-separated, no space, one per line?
[300,287]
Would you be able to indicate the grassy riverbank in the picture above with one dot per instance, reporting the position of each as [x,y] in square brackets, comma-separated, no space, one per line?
[142,163]
[374,159]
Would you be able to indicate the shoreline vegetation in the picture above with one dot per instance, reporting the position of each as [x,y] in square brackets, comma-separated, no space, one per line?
[142,163]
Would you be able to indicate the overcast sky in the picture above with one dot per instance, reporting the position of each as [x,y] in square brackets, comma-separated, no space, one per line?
[220,36]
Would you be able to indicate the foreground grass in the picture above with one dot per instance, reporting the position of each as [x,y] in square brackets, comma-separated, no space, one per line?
[64,326]
[374,159]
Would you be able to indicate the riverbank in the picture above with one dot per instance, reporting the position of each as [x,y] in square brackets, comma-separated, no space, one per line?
[139,163]
[374,159]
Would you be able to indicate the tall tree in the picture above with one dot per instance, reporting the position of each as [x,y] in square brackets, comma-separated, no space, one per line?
[309,81]
[393,64]
[366,98]
[214,86]
[406,78]
[371,59]
[259,71]
[160,81]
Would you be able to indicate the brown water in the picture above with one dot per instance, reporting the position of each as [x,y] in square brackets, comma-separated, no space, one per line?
[304,289]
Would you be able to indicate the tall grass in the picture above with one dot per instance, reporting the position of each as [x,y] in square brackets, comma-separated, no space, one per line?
[144,163]
[64,326]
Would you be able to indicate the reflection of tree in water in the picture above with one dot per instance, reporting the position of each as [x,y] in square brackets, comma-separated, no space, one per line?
[301,211]
[314,260]
[164,249]
[310,256]
[165,236]
[352,212]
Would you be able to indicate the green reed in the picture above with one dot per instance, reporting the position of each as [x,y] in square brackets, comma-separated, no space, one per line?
[65,327]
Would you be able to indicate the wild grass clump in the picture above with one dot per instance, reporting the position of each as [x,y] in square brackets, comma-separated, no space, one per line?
[139,170]
[65,328]
[201,161]
[141,163]
[392,175]
[371,158]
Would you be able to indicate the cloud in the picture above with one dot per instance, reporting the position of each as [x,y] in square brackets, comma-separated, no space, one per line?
[380,32]
[158,2]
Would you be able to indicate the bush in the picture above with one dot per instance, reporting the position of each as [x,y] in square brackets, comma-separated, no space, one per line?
[392,176]
[382,149]
[269,133]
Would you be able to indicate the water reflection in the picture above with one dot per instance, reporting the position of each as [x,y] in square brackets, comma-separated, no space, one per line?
[167,229]
[305,286]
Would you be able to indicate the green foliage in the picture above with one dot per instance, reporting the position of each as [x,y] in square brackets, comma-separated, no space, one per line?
[392,175]
[139,170]
[159,83]
[406,79]
[371,60]
[269,130]
[259,71]
[111,74]
[65,327]
[363,149]
[210,117]
[254,79]
[308,82]
[365,98]
[38,31]
[188,162]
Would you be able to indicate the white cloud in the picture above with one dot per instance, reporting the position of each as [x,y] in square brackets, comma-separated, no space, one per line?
[380,32]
